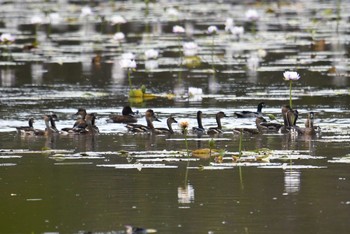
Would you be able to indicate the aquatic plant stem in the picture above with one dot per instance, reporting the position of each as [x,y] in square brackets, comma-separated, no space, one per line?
[240,144]
[180,56]
[129,78]
[241,177]
[290,94]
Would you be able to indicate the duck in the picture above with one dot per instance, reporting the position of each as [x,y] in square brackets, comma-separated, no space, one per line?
[128,116]
[218,129]
[90,121]
[27,130]
[264,126]
[290,117]
[139,128]
[309,128]
[168,130]
[80,124]
[48,130]
[199,129]
[250,114]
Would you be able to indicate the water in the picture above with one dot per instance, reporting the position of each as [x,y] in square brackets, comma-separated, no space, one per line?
[100,183]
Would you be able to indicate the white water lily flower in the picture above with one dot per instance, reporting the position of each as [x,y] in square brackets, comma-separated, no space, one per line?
[190,48]
[151,54]
[288,75]
[7,38]
[127,63]
[151,64]
[85,11]
[118,19]
[178,29]
[172,12]
[212,30]
[36,19]
[237,31]
[128,55]
[252,15]
[54,18]
[229,24]
[119,36]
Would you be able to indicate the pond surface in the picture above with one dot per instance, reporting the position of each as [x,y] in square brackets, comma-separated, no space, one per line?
[66,55]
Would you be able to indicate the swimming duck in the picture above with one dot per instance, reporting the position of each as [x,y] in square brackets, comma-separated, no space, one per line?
[250,114]
[264,126]
[309,129]
[90,121]
[217,130]
[27,130]
[150,117]
[168,130]
[48,130]
[128,116]
[199,129]
[290,117]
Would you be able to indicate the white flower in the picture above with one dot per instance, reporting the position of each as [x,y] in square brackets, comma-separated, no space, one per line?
[178,29]
[212,30]
[7,38]
[119,36]
[237,31]
[151,64]
[118,19]
[172,12]
[190,48]
[85,11]
[151,54]
[229,24]
[36,19]
[54,18]
[288,75]
[128,55]
[252,15]
[127,63]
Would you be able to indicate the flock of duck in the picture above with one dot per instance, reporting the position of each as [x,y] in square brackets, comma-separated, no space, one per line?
[85,123]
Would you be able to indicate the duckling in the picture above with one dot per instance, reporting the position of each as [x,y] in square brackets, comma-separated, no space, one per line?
[168,130]
[150,117]
[27,130]
[128,116]
[264,126]
[199,129]
[250,114]
[217,130]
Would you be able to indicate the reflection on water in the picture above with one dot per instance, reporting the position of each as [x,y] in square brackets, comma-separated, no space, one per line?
[185,194]
[291,181]
[8,78]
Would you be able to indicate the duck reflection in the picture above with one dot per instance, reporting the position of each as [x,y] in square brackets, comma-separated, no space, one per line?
[185,194]
[291,181]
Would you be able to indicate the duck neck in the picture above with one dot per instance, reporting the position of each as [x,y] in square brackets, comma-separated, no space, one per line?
[199,120]
[218,121]
[149,123]
[169,126]
[259,108]
[30,122]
